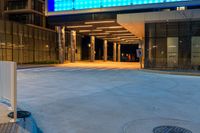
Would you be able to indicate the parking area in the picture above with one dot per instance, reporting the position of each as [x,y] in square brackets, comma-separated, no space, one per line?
[74,99]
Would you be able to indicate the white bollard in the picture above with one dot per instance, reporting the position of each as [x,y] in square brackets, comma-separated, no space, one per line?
[8,84]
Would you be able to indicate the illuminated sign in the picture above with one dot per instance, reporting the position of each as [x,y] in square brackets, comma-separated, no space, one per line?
[71,5]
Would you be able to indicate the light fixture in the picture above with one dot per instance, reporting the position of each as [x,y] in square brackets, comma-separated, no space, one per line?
[123,34]
[93,34]
[99,22]
[83,31]
[118,31]
[79,26]
[111,27]
[128,36]
[111,38]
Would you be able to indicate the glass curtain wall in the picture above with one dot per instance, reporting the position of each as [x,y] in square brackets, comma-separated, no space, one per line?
[26,44]
[172,45]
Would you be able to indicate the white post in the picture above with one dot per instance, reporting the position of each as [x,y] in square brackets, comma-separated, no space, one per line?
[14,90]
[8,84]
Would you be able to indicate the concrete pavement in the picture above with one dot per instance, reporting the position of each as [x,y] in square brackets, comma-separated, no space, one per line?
[102,100]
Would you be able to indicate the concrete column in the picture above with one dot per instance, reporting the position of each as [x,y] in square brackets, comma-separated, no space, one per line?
[105,50]
[92,48]
[61,43]
[114,51]
[73,45]
[119,52]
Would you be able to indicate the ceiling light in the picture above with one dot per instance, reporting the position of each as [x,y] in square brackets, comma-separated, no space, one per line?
[98,34]
[111,27]
[79,26]
[118,31]
[111,38]
[123,34]
[82,31]
[99,22]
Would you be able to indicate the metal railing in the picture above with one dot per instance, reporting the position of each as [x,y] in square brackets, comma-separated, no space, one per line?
[8,85]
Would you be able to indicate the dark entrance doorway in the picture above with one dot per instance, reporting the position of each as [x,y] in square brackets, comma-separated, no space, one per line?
[128,53]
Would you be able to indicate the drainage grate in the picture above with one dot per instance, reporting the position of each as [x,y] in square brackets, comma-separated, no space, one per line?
[170,129]
[20,114]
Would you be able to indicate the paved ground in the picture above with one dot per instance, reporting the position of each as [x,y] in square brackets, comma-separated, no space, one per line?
[3,113]
[106,100]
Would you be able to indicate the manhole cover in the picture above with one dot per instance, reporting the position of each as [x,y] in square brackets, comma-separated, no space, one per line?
[170,129]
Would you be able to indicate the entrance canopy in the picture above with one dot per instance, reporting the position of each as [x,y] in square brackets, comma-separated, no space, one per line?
[135,22]
[108,30]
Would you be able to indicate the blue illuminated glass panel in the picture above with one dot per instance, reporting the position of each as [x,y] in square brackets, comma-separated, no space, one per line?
[62,5]
[87,4]
[68,5]
[111,3]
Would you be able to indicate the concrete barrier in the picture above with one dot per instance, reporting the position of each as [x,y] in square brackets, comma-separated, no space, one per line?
[8,85]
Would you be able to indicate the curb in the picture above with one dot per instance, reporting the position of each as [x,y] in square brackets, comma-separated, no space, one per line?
[34,66]
[171,73]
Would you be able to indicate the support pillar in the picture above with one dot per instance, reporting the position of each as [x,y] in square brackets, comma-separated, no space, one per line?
[61,43]
[119,52]
[73,45]
[92,49]
[114,51]
[105,50]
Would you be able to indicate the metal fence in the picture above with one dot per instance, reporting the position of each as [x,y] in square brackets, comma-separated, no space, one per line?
[8,84]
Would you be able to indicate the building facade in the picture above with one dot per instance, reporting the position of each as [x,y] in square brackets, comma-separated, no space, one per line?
[23,36]
[25,11]
[167,31]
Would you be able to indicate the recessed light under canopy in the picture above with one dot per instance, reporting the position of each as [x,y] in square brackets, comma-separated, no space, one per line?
[123,34]
[93,34]
[110,27]
[86,31]
[118,31]
[79,26]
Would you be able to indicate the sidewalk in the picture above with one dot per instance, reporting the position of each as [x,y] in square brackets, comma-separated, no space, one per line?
[27,66]
[3,113]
